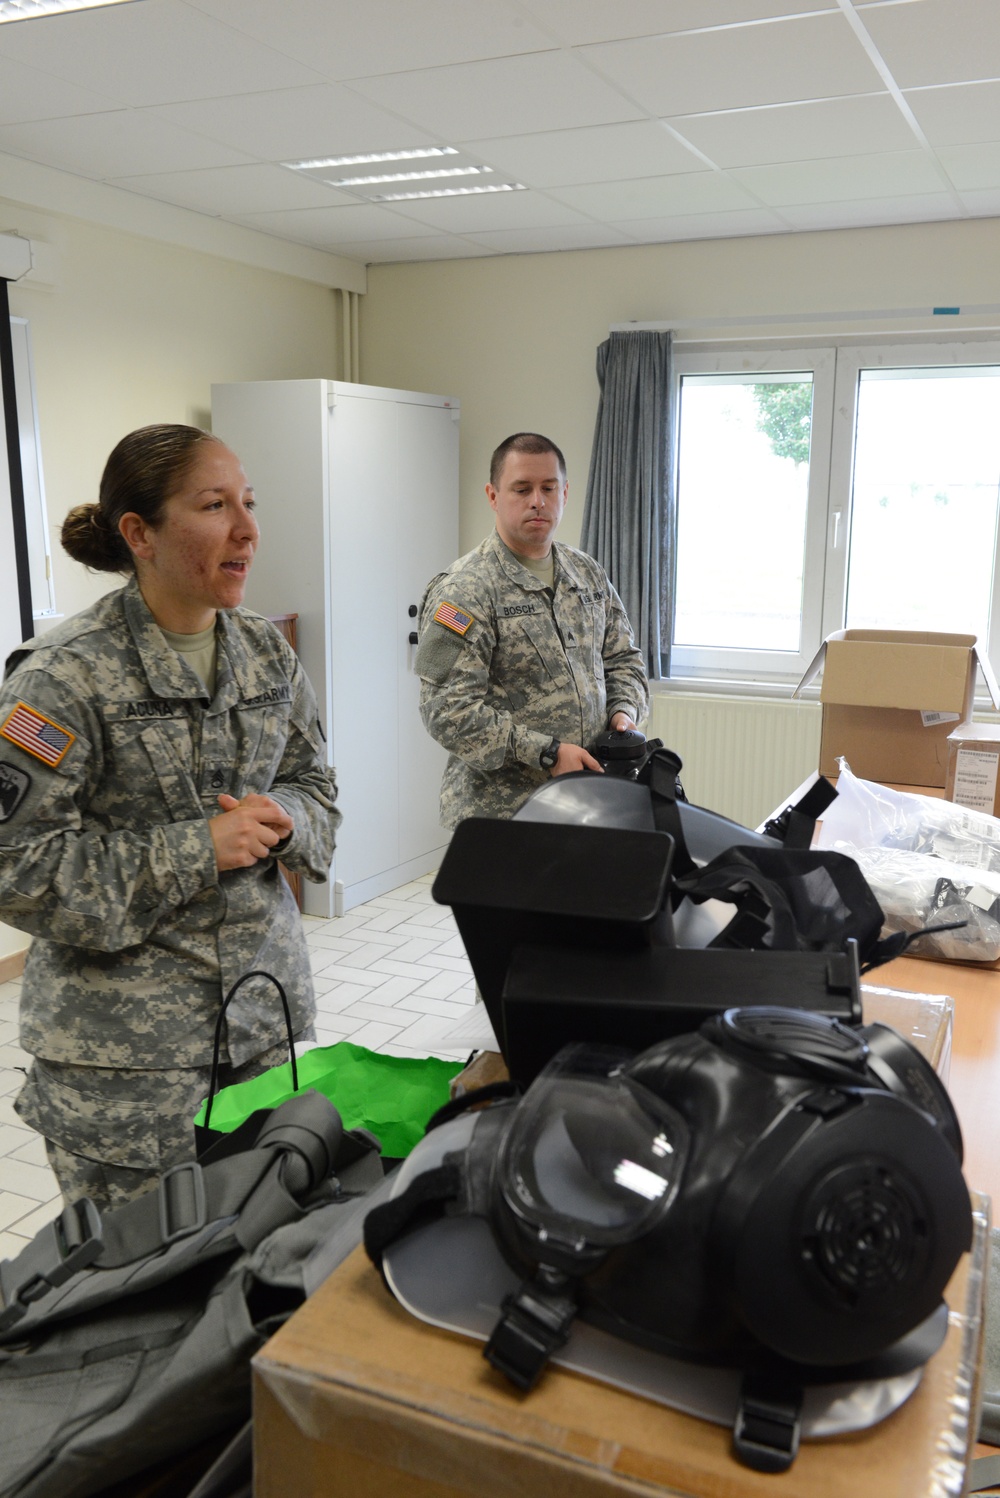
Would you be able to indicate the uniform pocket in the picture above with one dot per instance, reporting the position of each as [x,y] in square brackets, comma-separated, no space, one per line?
[81,1116]
[150,782]
[529,658]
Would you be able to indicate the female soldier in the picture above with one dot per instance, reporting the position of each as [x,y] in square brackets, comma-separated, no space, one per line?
[156,752]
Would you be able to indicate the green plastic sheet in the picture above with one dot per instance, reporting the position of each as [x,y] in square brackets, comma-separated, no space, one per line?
[393,1096]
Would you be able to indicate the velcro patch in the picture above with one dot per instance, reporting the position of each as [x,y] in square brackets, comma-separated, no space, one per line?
[37,735]
[454,618]
[14,786]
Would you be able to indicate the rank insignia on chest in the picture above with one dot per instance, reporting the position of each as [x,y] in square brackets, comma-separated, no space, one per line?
[37,735]
[454,618]
[215,778]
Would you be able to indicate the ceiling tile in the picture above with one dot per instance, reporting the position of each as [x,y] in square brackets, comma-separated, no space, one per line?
[638,119]
[344,39]
[471,215]
[153,53]
[27,94]
[656,197]
[323,226]
[702,226]
[294,123]
[799,132]
[226,190]
[893,174]
[596,153]
[921,208]
[566,237]
[958,114]
[508,96]
[114,145]
[809,57]
[937,41]
[982,204]
[577,22]
[972,168]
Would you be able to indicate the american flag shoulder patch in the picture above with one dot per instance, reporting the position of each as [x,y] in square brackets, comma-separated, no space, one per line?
[36,734]
[452,617]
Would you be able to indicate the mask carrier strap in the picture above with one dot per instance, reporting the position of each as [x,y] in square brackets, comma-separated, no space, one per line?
[768,1422]
[899,942]
[535,1323]
[796,824]
[391,1219]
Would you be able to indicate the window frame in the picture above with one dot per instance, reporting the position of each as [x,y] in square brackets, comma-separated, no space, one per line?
[836,369]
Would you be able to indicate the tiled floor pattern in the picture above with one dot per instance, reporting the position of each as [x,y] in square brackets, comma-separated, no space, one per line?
[389,975]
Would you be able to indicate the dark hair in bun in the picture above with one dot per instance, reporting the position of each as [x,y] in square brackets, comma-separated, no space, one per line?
[142,472]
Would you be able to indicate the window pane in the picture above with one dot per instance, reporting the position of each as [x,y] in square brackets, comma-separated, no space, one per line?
[924,512]
[743,478]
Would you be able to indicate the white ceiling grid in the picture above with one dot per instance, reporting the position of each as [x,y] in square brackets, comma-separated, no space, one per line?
[623,121]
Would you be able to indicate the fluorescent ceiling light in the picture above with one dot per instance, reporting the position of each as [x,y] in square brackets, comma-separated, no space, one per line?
[26,10]
[371,156]
[441,171]
[447,192]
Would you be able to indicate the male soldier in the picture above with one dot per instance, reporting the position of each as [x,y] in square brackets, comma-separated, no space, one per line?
[525,652]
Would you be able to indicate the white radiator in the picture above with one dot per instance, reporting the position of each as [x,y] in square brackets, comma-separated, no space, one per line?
[741,755]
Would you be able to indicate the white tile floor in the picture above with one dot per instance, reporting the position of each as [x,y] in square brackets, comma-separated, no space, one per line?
[388,975]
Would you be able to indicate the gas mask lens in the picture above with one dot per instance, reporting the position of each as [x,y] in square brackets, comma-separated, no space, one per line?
[592,1158]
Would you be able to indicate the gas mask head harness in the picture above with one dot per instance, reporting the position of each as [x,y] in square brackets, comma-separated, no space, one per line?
[777,1192]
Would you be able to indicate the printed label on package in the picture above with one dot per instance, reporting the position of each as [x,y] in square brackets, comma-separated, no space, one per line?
[976,779]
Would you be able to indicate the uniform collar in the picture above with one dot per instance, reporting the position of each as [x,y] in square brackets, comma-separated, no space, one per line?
[166,673]
[245,677]
[238,676]
[515,568]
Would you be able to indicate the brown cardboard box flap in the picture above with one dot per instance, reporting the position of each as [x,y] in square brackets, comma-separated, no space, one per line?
[917,670]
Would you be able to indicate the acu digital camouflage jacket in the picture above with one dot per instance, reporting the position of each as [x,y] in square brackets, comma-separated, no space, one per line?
[506,665]
[111,760]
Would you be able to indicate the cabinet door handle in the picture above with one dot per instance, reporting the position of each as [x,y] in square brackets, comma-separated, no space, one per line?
[413,637]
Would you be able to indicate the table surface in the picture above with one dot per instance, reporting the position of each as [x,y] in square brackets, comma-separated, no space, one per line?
[974,1079]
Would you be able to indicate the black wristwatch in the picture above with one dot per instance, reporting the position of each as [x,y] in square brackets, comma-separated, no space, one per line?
[549,755]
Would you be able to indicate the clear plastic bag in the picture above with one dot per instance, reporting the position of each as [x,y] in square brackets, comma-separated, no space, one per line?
[928,862]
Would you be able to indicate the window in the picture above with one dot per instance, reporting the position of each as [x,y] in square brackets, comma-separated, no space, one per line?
[818,488]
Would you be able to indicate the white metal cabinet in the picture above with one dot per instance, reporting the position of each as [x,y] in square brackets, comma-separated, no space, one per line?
[357,492]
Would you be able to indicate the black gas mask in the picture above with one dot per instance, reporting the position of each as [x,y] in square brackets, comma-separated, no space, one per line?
[776,1193]
[626,753]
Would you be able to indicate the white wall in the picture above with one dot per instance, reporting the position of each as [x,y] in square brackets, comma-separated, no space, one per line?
[127,331]
[515,337]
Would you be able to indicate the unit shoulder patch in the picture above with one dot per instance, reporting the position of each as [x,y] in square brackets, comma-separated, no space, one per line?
[14,786]
[37,735]
[453,618]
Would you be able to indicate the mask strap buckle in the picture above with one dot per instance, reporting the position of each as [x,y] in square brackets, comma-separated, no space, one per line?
[535,1323]
[768,1423]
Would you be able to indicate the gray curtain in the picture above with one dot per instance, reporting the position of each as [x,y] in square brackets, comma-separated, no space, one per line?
[629,519]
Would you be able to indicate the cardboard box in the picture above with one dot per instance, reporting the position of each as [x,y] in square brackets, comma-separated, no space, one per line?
[355,1396]
[891,698]
[973,763]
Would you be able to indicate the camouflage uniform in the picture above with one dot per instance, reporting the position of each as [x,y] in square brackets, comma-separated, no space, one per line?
[532,665]
[109,772]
